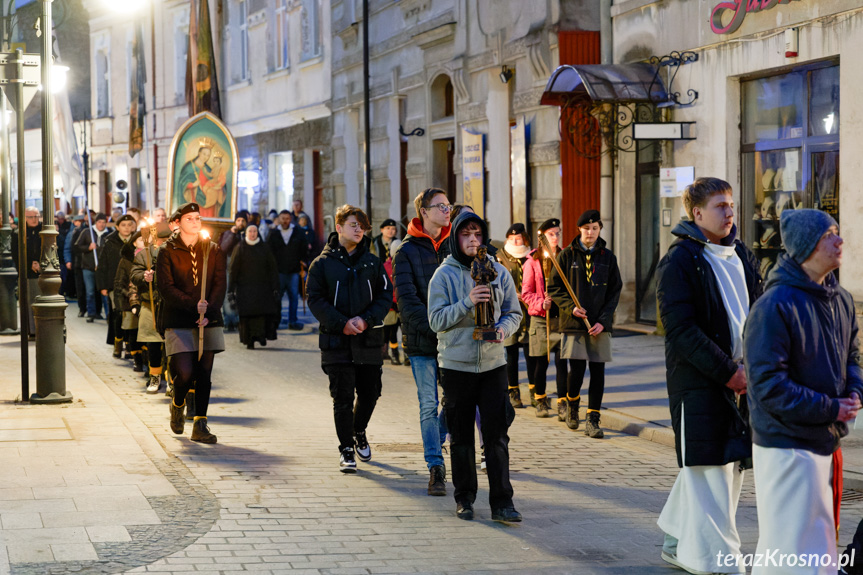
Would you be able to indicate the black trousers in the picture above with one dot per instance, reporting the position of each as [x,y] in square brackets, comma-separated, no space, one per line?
[391,334]
[188,372]
[345,380]
[597,381]
[154,356]
[465,392]
[512,364]
[81,291]
[541,372]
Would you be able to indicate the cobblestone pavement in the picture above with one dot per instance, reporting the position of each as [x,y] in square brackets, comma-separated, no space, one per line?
[589,506]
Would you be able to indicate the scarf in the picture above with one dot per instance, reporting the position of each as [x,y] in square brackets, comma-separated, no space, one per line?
[728,269]
[518,252]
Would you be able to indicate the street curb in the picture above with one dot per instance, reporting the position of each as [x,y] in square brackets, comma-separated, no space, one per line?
[616,421]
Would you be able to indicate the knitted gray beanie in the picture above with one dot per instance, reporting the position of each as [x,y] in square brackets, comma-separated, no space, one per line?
[802,229]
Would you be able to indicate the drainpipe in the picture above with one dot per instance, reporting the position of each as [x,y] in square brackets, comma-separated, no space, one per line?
[606,167]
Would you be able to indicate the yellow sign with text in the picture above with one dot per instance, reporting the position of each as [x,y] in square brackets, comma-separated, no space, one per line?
[473,172]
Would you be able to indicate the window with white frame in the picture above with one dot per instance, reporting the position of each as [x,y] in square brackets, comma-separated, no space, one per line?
[280,36]
[281,173]
[310,24]
[102,66]
[181,51]
[244,39]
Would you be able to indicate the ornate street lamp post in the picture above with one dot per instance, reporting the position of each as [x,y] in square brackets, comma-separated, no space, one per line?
[49,309]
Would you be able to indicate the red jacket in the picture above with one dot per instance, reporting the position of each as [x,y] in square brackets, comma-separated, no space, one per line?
[533,284]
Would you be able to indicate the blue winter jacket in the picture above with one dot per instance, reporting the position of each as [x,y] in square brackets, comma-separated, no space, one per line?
[801,353]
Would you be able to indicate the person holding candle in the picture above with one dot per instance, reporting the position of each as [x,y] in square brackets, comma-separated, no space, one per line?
[192,280]
[142,276]
[544,313]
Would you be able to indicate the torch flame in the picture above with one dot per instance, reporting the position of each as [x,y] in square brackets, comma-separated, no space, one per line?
[205,234]
[548,255]
[150,221]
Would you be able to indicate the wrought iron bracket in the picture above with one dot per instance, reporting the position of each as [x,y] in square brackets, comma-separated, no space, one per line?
[673,62]
[587,125]
[414,132]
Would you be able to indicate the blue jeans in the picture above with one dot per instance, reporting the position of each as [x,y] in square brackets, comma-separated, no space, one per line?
[432,422]
[90,287]
[290,283]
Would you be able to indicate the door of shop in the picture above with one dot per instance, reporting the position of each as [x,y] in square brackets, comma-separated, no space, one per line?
[647,232]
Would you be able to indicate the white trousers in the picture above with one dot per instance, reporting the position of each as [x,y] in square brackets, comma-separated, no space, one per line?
[794,496]
[701,514]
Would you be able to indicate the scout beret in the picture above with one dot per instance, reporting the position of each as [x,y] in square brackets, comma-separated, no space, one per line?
[548,224]
[516,229]
[125,218]
[589,217]
[388,222]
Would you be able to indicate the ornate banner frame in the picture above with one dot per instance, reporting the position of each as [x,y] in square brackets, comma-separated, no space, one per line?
[202,166]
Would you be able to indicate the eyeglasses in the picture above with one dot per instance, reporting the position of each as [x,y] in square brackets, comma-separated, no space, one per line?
[353,225]
[445,208]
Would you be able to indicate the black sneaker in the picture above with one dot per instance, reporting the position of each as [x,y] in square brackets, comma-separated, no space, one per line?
[464,511]
[506,514]
[437,481]
[364,451]
[591,426]
[515,397]
[82,313]
[347,463]
[91,319]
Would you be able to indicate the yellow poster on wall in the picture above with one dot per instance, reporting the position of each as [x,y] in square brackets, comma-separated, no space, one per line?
[473,172]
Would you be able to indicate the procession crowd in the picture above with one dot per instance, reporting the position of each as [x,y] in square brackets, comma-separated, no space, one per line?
[762,373]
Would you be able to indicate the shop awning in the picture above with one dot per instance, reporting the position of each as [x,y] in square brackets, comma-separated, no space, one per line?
[621,83]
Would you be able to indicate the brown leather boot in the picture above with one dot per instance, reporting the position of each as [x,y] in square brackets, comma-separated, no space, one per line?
[201,433]
[178,422]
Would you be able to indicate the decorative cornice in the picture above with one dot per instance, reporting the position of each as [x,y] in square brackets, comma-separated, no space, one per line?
[480,61]
[546,153]
[471,112]
[349,35]
[439,35]
[527,99]
[539,57]
[381,90]
[461,88]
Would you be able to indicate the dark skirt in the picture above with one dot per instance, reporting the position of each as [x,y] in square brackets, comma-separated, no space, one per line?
[258,328]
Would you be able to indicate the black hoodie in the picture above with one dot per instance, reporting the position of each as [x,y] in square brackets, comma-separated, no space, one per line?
[801,350]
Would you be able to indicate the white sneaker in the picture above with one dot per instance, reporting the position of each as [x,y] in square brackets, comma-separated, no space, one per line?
[672,559]
[153,386]
[347,463]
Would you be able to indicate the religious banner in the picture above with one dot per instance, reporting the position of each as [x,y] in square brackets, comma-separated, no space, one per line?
[202,85]
[137,107]
[518,170]
[202,168]
[472,171]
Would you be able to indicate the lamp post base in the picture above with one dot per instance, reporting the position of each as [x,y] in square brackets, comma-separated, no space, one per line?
[52,397]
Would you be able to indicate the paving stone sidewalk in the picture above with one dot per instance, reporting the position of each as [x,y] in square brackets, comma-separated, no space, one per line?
[113,490]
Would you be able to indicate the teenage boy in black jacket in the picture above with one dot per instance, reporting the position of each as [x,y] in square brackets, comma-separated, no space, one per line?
[349,294]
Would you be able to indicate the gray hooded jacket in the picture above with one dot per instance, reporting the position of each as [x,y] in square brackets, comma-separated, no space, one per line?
[451,311]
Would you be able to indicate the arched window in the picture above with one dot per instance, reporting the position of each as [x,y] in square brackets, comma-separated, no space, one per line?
[441,98]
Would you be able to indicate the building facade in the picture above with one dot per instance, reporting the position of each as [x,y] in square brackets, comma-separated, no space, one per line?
[443,74]
[770,82]
[274,78]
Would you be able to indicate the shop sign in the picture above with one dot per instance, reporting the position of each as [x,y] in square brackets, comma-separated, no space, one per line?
[739,9]
[673,181]
[472,171]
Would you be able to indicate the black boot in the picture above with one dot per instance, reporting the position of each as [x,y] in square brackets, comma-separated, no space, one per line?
[532,392]
[515,397]
[395,358]
[561,409]
[572,414]
[139,362]
[437,480]
[591,426]
[190,405]
[542,406]
[177,421]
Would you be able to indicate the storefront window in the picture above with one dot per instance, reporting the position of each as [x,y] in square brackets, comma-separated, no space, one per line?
[785,167]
